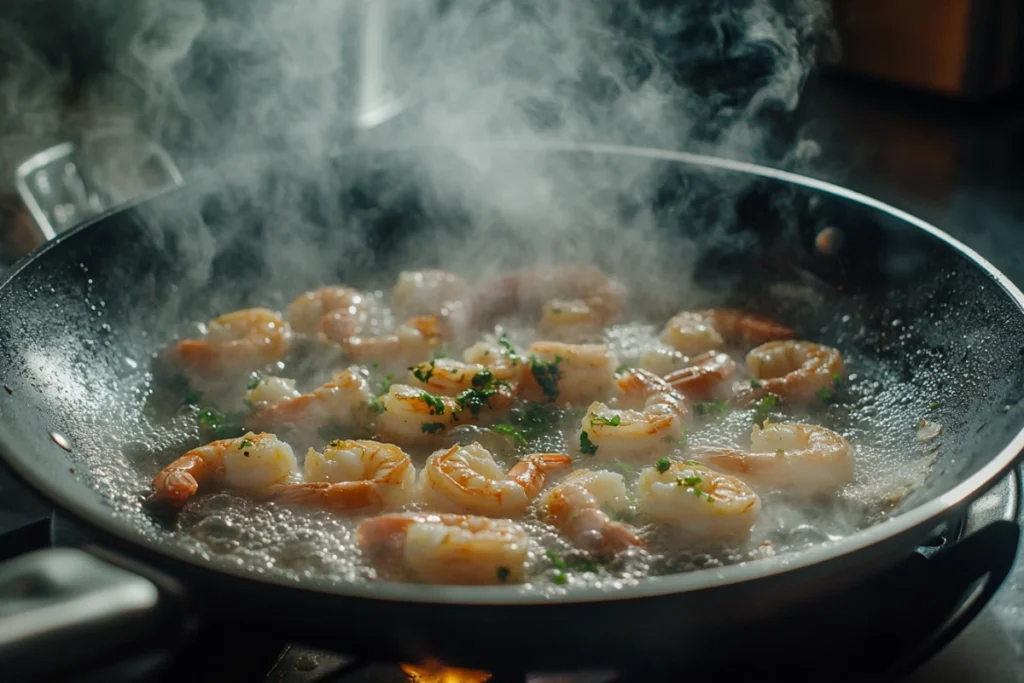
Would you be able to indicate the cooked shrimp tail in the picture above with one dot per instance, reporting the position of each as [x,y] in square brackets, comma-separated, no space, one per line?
[236,342]
[707,376]
[576,508]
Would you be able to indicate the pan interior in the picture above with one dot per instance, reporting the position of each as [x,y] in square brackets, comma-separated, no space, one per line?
[926,333]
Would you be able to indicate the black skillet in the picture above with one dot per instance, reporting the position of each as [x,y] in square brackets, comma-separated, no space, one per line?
[882,282]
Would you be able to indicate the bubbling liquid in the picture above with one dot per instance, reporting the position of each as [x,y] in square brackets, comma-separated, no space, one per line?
[301,544]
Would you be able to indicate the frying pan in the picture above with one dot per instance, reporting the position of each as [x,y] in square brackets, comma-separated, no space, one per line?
[80,317]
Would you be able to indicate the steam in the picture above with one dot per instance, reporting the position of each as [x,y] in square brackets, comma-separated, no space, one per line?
[257,101]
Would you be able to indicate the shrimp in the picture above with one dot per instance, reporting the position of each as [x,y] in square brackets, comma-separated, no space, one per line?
[575,508]
[236,342]
[336,312]
[568,373]
[414,339]
[438,293]
[798,458]
[253,462]
[569,296]
[694,332]
[353,476]
[342,401]
[411,415]
[484,368]
[663,360]
[632,434]
[467,479]
[794,369]
[707,376]
[445,548]
[698,500]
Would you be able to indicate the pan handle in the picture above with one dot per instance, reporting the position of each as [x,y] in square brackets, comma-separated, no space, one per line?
[64,610]
[978,564]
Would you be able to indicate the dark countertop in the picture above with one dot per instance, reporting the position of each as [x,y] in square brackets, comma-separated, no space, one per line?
[960,167]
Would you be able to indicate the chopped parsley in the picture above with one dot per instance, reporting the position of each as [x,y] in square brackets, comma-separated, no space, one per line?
[610,421]
[763,408]
[503,573]
[571,565]
[663,465]
[434,403]
[531,422]
[837,380]
[586,446]
[245,443]
[754,384]
[385,385]
[483,379]
[547,374]
[374,365]
[933,405]
[556,561]
[694,463]
[825,394]
[781,452]
[507,349]
[560,578]
[424,371]
[219,425]
[376,406]
[510,431]
[693,481]
[336,443]
[621,370]
[432,427]
[473,400]
[712,407]
[254,381]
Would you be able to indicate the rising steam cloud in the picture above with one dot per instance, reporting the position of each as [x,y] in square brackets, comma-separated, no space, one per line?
[239,91]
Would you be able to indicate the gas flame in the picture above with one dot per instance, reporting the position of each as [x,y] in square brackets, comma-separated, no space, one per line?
[434,672]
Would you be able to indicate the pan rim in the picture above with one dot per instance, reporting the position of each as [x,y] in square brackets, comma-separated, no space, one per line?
[930,511]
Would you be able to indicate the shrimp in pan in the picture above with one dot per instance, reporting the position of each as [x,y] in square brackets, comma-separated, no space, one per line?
[411,341]
[694,332]
[706,376]
[577,508]
[467,479]
[445,548]
[696,499]
[333,311]
[236,342]
[635,434]
[794,369]
[568,373]
[795,458]
[436,293]
[352,476]
[342,401]
[254,462]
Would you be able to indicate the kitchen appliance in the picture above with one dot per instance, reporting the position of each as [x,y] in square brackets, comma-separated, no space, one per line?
[870,252]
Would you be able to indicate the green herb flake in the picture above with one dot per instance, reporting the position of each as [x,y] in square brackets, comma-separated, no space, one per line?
[621,370]
[547,374]
[474,400]
[424,371]
[434,403]
[556,561]
[781,452]
[192,397]
[507,349]
[210,418]
[254,381]
[763,408]
[933,405]
[245,443]
[694,463]
[483,379]
[432,427]
[837,380]
[825,394]
[711,499]
[503,574]
[705,408]
[754,384]
[560,578]
[587,447]
[376,406]
[596,420]
[385,385]
[510,431]
[663,465]
[693,481]
[374,365]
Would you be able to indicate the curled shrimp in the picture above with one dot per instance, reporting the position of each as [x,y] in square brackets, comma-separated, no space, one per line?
[797,458]
[337,312]
[634,434]
[698,500]
[437,293]
[445,548]
[568,296]
[253,462]
[236,342]
[342,400]
[575,508]
[414,339]
[694,332]
[794,369]
[707,376]
[352,476]
[568,373]
[411,415]
[467,479]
